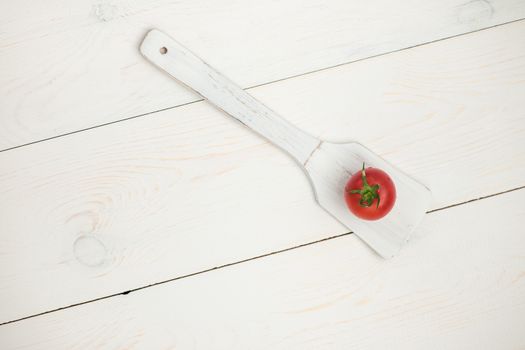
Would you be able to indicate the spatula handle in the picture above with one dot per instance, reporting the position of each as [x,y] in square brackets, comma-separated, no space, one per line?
[189,69]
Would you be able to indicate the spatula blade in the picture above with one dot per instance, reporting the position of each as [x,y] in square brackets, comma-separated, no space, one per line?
[330,167]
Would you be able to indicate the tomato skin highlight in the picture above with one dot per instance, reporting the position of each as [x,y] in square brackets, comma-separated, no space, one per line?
[386,192]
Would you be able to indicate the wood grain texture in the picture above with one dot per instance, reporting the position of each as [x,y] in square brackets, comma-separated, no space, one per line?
[68,65]
[130,204]
[327,165]
[331,295]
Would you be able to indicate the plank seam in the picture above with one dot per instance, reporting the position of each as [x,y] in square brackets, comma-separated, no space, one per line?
[476,199]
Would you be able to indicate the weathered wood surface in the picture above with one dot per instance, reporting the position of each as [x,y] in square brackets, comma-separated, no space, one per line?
[460,286]
[69,65]
[135,203]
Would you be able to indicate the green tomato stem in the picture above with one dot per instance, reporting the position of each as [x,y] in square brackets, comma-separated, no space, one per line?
[368,193]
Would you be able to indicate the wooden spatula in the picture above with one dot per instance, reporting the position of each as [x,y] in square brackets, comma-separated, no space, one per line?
[328,165]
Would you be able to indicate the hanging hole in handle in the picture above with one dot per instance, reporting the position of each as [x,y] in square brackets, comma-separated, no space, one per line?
[163,50]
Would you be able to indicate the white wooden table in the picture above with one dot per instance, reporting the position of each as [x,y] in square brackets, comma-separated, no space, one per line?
[133,215]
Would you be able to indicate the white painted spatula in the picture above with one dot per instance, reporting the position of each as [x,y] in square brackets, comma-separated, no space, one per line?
[328,165]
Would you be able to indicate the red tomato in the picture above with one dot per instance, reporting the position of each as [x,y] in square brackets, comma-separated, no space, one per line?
[370,194]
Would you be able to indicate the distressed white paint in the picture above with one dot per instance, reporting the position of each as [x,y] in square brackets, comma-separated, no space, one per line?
[459,286]
[72,64]
[328,165]
[188,189]
[329,168]
[189,69]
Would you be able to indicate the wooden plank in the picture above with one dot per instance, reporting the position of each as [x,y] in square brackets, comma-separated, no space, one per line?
[460,286]
[187,189]
[69,65]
